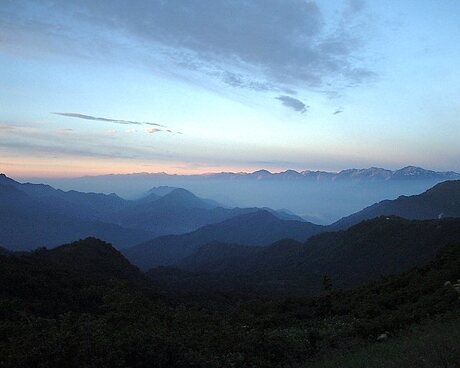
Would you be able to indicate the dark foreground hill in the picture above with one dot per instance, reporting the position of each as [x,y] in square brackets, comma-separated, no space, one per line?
[83,305]
[255,229]
[90,259]
[442,200]
[363,253]
[94,259]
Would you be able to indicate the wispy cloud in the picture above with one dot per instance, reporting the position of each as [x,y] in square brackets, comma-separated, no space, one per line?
[57,142]
[152,130]
[108,120]
[293,103]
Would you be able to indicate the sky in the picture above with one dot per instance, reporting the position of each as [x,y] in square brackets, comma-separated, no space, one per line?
[191,86]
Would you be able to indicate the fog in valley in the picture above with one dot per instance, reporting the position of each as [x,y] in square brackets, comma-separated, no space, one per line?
[321,202]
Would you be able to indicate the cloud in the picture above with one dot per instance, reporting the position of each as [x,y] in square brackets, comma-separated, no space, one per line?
[117,121]
[273,45]
[34,141]
[293,103]
[7,128]
[152,130]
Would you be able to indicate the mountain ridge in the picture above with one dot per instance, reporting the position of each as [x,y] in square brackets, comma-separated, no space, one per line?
[252,229]
[361,254]
[375,173]
[441,200]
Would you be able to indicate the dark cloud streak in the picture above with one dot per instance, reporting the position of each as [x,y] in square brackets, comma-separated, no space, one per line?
[94,118]
[293,103]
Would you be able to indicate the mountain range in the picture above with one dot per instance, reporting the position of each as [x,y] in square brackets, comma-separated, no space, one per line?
[317,196]
[262,228]
[27,222]
[33,215]
[254,229]
[372,173]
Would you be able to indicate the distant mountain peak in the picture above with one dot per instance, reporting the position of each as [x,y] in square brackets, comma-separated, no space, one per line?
[414,170]
[182,193]
[180,197]
[161,190]
[262,172]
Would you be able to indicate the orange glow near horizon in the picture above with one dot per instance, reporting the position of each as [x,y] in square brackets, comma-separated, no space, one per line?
[68,168]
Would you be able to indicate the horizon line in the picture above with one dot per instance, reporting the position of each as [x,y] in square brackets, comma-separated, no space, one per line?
[236,172]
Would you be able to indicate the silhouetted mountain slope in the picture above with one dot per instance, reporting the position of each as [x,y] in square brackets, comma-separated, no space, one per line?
[5,180]
[180,211]
[382,246]
[256,228]
[177,212]
[93,258]
[215,256]
[149,197]
[363,253]
[284,214]
[239,259]
[393,301]
[442,200]
[11,196]
[52,281]
[26,223]
[160,191]
[34,214]
[180,199]
[86,206]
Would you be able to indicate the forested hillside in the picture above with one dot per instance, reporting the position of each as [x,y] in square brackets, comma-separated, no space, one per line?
[83,305]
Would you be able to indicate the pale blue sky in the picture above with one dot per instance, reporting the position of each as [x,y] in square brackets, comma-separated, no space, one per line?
[235,85]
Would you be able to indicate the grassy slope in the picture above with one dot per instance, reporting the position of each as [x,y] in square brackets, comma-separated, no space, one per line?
[430,345]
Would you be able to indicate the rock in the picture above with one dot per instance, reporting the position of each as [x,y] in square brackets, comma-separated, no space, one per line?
[447,283]
[382,337]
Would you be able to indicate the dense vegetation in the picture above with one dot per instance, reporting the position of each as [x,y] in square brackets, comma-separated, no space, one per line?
[84,305]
